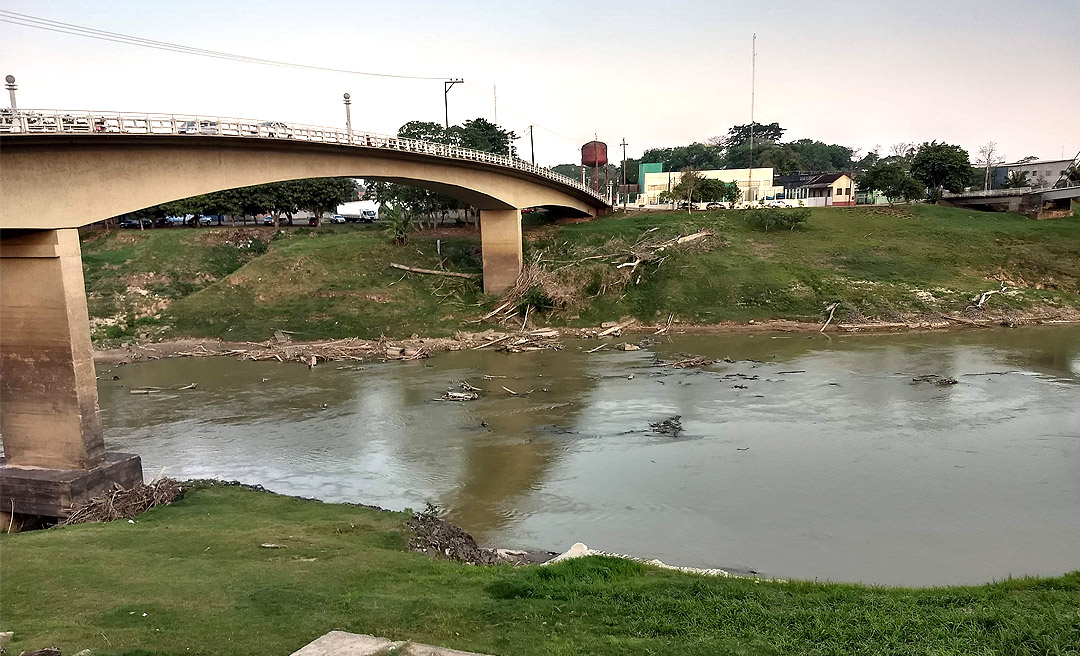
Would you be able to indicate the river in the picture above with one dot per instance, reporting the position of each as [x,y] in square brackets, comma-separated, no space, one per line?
[803,456]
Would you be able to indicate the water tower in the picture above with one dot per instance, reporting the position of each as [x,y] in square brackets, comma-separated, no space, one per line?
[594,154]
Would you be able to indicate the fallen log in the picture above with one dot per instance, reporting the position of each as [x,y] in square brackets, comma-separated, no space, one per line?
[433,272]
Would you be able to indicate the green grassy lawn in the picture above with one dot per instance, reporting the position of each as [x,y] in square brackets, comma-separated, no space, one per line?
[192,579]
[336,281]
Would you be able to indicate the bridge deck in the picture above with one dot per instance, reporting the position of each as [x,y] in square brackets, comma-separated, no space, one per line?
[36,121]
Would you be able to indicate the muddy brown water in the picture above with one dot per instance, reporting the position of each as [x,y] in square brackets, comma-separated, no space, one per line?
[807,457]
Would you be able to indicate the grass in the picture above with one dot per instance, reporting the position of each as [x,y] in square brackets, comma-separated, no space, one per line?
[206,587]
[336,281]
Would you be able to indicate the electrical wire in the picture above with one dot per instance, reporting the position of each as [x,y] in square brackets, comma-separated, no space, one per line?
[475,89]
[36,22]
[26,20]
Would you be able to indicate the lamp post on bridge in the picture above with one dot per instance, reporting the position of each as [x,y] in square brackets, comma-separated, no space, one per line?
[446,94]
[10,86]
[348,116]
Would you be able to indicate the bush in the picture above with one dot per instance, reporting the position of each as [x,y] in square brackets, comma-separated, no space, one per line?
[770,218]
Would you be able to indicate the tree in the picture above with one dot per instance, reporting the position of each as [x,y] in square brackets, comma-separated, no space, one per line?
[688,185]
[902,150]
[698,155]
[940,165]
[739,135]
[891,179]
[1017,179]
[319,195]
[482,134]
[988,158]
[424,131]
[713,190]
[1028,159]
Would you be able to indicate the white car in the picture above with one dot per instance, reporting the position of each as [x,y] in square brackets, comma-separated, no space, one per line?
[337,218]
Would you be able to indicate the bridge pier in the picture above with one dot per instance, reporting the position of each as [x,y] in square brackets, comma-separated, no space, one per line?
[54,453]
[500,242]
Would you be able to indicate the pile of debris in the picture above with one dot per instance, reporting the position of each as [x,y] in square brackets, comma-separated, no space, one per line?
[940,381]
[119,503]
[535,340]
[687,363]
[440,539]
[671,426]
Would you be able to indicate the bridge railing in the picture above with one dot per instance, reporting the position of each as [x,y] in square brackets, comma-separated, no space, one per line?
[41,121]
[1017,191]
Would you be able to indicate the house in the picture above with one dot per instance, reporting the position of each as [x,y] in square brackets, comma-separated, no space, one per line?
[818,189]
[755,184]
[1041,173]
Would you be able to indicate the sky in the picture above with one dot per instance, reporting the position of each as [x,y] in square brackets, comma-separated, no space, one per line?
[861,73]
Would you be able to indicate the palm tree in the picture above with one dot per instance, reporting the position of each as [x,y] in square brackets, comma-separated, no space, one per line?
[1017,179]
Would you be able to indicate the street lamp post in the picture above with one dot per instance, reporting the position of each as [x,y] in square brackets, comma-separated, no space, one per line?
[348,116]
[10,86]
[446,93]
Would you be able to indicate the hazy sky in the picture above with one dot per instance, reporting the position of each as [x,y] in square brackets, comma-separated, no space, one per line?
[660,73]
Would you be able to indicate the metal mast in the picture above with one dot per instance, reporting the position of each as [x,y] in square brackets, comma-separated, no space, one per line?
[753,84]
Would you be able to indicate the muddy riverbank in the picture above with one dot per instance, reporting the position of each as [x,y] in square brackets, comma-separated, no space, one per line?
[284,348]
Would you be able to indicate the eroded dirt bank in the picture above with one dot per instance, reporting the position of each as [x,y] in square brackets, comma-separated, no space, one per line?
[283,349]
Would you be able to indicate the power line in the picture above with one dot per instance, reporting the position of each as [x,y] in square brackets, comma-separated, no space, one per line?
[46,24]
[474,89]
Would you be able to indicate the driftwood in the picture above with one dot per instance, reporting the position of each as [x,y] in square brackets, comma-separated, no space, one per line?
[617,328]
[119,503]
[433,272]
[458,396]
[980,301]
[831,309]
[687,363]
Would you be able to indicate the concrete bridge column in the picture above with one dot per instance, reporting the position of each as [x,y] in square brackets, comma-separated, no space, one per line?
[500,239]
[54,454]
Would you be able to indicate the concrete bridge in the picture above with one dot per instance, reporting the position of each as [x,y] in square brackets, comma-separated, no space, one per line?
[1033,203]
[62,170]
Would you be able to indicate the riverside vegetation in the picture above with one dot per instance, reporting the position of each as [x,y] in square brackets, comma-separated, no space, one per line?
[875,263]
[192,578]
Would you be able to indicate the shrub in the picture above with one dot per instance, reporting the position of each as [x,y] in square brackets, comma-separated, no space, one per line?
[770,218]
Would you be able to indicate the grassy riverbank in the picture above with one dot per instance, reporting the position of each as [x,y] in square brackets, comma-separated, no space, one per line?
[192,579]
[877,263]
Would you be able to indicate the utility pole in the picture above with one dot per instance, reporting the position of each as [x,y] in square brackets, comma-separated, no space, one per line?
[348,116]
[10,86]
[532,146]
[495,103]
[624,190]
[753,83]
[446,92]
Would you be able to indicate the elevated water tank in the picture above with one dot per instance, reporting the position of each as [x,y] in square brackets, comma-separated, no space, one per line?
[594,154]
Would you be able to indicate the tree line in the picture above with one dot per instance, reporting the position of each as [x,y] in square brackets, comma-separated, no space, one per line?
[279,199]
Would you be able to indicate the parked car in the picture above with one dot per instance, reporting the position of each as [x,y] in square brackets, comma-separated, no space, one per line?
[716,206]
[268,220]
[133,224]
[337,218]
[368,216]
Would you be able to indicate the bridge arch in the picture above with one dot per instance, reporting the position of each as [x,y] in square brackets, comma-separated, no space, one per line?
[60,172]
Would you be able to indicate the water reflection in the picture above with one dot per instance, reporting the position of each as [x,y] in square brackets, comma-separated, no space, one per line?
[804,456]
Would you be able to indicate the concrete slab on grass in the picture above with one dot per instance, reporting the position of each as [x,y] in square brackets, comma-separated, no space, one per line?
[340,643]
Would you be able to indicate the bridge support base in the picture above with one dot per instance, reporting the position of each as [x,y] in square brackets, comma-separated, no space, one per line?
[49,420]
[500,241]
